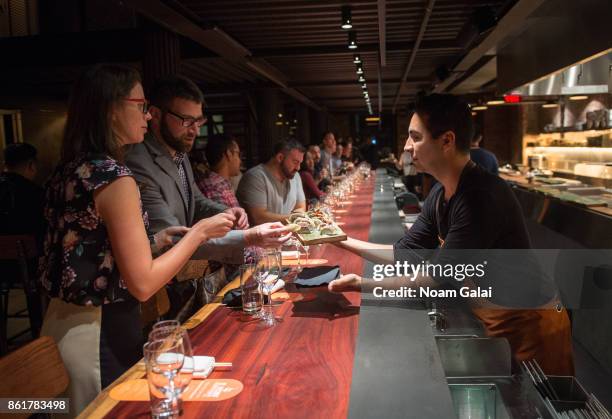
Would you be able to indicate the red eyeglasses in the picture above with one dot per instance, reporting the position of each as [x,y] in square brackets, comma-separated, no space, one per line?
[144,105]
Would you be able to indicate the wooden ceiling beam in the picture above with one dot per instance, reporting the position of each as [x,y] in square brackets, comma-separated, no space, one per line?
[215,40]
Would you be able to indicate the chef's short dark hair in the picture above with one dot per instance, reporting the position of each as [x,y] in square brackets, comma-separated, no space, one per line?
[16,155]
[443,112]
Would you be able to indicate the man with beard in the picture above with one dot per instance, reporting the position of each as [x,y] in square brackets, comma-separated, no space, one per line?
[168,190]
[271,191]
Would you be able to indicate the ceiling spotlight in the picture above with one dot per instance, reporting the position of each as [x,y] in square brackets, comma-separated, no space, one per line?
[347,21]
[359,69]
[361,79]
[352,40]
[356,59]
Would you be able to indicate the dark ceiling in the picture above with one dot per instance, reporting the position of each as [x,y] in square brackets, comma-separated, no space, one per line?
[299,42]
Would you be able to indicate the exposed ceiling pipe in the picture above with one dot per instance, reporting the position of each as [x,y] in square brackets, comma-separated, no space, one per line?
[415,49]
[382,32]
[380,83]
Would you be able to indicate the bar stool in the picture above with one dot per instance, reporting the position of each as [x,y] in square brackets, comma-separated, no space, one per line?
[18,255]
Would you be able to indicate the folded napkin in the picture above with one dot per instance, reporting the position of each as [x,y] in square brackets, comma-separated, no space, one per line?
[317,276]
[201,366]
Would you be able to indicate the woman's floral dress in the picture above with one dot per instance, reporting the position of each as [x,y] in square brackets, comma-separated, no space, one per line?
[77,264]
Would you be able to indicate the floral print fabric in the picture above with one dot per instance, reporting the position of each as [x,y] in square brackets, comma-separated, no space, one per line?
[77,264]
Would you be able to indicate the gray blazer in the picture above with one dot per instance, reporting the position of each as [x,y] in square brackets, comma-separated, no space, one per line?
[167,205]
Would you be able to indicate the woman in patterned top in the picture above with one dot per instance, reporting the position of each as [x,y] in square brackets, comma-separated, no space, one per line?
[97,262]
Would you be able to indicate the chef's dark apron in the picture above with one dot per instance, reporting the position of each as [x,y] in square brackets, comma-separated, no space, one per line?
[540,334]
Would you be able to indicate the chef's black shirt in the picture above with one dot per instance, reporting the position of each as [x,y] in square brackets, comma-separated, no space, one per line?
[482,214]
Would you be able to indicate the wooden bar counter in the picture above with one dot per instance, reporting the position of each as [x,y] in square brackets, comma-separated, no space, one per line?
[302,367]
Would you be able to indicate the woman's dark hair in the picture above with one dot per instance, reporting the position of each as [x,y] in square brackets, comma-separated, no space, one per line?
[217,146]
[303,165]
[89,127]
[441,113]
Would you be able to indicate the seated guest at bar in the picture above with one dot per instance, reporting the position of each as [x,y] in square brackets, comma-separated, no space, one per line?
[223,156]
[468,209]
[21,200]
[320,174]
[97,262]
[315,152]
[347,152]
[337,158]
[271,191]
[170,195]
[328,148]
[311,190]
[480,156]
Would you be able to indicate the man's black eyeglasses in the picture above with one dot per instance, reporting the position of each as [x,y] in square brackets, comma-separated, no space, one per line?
[188,122]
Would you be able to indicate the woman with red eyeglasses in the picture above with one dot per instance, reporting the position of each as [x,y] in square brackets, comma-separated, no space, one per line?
[98,264]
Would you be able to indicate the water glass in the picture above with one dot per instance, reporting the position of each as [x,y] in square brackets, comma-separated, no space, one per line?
[294,249]
[252,298]
[268,271]
[163,360]
[170,333]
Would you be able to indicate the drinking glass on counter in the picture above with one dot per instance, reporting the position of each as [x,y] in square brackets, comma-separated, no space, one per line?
[170,333]
[293,249]
[252,298]
[267,272]
[163,360]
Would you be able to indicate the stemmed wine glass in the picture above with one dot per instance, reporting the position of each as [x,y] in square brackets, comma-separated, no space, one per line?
[163,360]
[172,332]
[267,272]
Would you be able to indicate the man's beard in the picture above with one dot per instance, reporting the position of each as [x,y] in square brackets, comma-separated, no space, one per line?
[179,144]
[288,174]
